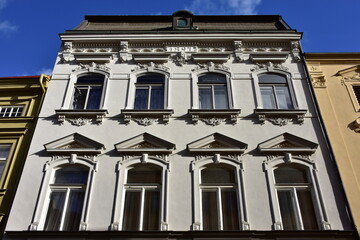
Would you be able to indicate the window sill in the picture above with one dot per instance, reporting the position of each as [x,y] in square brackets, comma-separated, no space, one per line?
[147,117]
[280,117]
[214,117]
[80,117]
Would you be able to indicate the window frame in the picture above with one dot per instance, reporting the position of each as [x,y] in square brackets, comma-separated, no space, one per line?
[149,87]
[195,101]
[121,186]
[11,111]
[353,98]
[8,162]
[289,81]
[50,168]
[69,96]
[317,199]
[196,168]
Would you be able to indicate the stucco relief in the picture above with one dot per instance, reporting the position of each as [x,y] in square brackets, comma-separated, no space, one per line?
[268,66]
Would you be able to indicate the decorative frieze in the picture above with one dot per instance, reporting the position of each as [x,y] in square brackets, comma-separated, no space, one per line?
[210,66]
[90,67]
[269,66]
[150,67]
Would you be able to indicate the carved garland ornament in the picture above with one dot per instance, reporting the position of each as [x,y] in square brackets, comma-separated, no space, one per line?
[91,67]
[268,66]
[150,67]
[210,67]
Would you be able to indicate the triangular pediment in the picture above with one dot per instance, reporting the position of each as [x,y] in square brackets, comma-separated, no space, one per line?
[217,143]
[287,143]
[351,74]
[145,143]
[74,143]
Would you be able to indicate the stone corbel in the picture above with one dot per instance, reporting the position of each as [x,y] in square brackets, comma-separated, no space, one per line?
[124,56]
[147,117]
[239,56]
[295,50]
[357,125]
[67,55]
[214,117]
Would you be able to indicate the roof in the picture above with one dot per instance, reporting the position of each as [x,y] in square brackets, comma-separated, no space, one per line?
[164,23]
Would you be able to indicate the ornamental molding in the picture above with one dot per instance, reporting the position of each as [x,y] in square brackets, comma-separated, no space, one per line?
[213,121]
[234,157]
[78,121]
[147,117]
[127,157]
[80,117]
[150,67]
[295,50]
[280,117]
[179,58]
[214,117]
[269,66]
[91,67]
[270,158]
[145,121]
[318,81]
[210,66]
[349,75]
[317,75]
[278,121]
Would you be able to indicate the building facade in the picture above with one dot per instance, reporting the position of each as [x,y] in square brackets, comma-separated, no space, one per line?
[180,126]
[20,102]
[336,81]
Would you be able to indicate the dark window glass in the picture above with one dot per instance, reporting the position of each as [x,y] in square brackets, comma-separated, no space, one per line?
[71,175]
[88,92]
[356,89]
[290,175]
[214,174]
[140,174]
[182,22]
[149,92]
[213,91]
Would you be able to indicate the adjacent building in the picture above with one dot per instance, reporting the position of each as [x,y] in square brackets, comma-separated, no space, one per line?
[336,81]
[180,126]
[20,102]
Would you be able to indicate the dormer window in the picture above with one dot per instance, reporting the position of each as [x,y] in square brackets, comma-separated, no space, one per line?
[182,20]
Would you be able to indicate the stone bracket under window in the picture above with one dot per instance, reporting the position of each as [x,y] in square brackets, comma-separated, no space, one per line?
[280,117]
[81,117]
[214,117]
[147,117]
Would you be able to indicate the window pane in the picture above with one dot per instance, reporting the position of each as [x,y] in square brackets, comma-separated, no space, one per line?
[94,97]
[212,78]
[230,209]
[268,97]
[307,210]
[157,97]
[217,175]
[141,98]
[55,210]
[71,175]
[221,98]
[151,219]
[74,210]
[290,175]
[283,97]
[205,99]
[79,98]
[210,210]
[287,210]
[4,151]
[91,79]
[140,174]
[132,210]
[272,78]
[151,78]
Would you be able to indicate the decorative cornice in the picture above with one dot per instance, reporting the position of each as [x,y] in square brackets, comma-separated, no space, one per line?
[80,117]
[151,66]
[214,117]
[147,117]
[210,66]
[269,66]
[90,67]
[280,117]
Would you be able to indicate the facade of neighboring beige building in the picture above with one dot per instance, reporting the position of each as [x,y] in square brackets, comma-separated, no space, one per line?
[336,80]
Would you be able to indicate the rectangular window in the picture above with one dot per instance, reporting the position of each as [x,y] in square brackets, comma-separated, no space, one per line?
[4,155]
[149,97]
[11,111]
[88,92]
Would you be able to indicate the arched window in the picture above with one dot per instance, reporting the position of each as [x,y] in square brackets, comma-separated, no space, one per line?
[219,198]
[66,199]
[88,91]
[213,93]
[295,198]
[142,206]
[275,91]
[150,92]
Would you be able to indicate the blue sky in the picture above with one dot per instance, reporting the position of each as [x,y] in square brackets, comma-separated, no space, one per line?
[29,29]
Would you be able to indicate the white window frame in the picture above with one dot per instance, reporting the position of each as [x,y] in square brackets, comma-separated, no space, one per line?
[199,165]
[289,79]
[13,110]
[130,103]
[47,187]
[149,88]
[68,100]
[195,103]
[122,186]
[88,88]
[318,201]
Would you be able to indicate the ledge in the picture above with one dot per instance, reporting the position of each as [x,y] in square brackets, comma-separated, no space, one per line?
[280,117]
[147,117]
[145,57]
[78,117]
[216,57]
[275,57]
[214,117]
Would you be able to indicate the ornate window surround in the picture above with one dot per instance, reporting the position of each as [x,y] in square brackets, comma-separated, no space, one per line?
[62,153]
[298,151]
[147,116]
[145,149]
[276,116]
[212,116]
[81,117]
[351,77]
[217,148]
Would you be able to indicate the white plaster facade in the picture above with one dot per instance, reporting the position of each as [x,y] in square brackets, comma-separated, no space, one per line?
[182,138]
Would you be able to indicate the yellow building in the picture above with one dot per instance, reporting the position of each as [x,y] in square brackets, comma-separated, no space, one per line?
[20,102]
[336,81]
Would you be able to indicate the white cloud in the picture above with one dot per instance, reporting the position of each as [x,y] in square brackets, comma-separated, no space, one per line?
[224,7]
[6,26]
